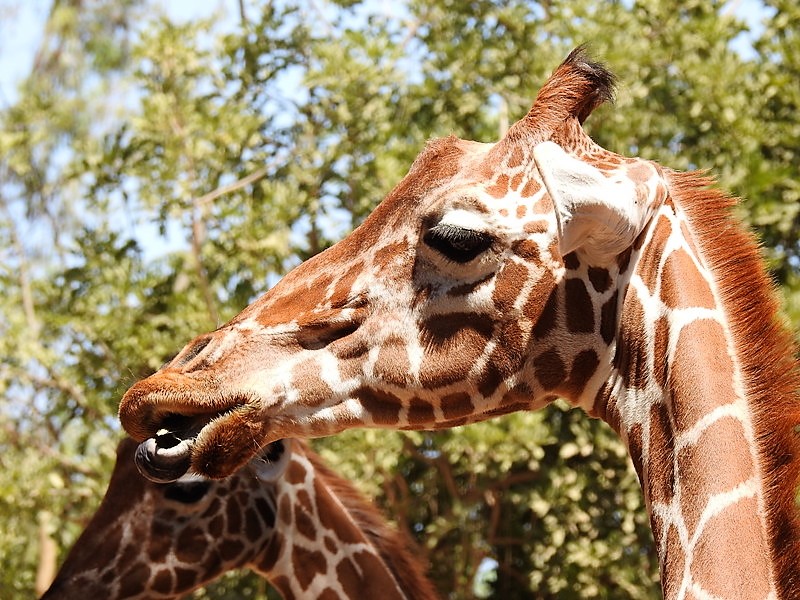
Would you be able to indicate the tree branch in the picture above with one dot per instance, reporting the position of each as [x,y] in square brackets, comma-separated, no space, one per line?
[231,187]
[24,275]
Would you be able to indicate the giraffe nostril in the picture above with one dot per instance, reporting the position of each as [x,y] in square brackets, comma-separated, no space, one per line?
[274,451]
[272,463]
[189,354]
[316,338]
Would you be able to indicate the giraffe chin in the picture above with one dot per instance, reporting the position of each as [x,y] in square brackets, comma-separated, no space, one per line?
[164,458]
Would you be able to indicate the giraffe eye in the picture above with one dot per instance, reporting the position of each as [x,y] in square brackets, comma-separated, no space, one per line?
[459,244]
[187,493]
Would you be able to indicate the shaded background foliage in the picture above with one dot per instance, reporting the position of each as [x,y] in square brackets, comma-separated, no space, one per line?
[157,174]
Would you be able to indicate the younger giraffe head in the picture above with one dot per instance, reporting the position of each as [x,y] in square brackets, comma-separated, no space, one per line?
[482,284]
[285,515]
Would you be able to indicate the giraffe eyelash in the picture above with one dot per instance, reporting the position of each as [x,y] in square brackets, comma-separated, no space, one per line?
[458,244]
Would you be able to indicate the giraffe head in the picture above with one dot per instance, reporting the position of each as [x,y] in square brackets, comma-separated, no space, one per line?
[165,540]
[285,515]
[484,283]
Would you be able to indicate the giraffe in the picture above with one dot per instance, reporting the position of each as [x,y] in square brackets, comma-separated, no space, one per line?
[286,516]
[497,277]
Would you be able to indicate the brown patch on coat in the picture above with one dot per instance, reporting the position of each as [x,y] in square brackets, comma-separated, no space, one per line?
[233,519]
[660,468]
[252,526]
[508,285]
[660,352]
[584,364]
[452,342]
[530,188]
[549,369]
[681,284]
[162,582]
[713,470]
[527,250]
[631,358]
[649,264]
[730,535]
[456,405]
[699,386]
[516,157]
[507,357]
[571,261]
[303,516]
[288,303]
[306,377]
[608,318]
[383,407]
[499,188]
[343,289]
[537,226]
[230,549]
[307,564]
[674,561]
[543,310]
[579,307]
[600,278]
[392,254]
[420,411]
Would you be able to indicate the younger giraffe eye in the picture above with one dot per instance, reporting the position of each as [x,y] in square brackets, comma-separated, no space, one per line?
[457,243]
[187,493]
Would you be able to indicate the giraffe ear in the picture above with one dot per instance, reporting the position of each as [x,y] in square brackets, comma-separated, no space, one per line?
[597,215]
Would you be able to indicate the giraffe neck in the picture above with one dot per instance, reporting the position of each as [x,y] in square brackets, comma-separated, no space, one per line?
[685,398]
[330,543]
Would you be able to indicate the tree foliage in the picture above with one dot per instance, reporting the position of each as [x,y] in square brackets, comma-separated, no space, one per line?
[157,174]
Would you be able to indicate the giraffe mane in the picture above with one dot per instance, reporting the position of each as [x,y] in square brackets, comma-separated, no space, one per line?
[394,546]
[767,353]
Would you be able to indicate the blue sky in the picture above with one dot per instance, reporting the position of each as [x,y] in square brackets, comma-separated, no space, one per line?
[22,21]
[21,24]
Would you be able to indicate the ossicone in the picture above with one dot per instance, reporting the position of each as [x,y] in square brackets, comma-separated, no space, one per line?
[576,87]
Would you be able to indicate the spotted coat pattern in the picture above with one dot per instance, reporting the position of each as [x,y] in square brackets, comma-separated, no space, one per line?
[302,527]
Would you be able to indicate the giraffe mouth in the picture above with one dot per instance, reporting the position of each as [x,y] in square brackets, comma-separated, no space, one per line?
[168,456]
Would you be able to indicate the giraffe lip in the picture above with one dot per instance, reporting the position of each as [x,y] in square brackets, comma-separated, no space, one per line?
[167,456]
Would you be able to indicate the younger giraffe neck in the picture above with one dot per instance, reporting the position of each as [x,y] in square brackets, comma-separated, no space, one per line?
[688,399]
[334,544]
[307,531]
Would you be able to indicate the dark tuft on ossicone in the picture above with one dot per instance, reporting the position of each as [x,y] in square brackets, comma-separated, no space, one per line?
[575,88]
[601,81]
